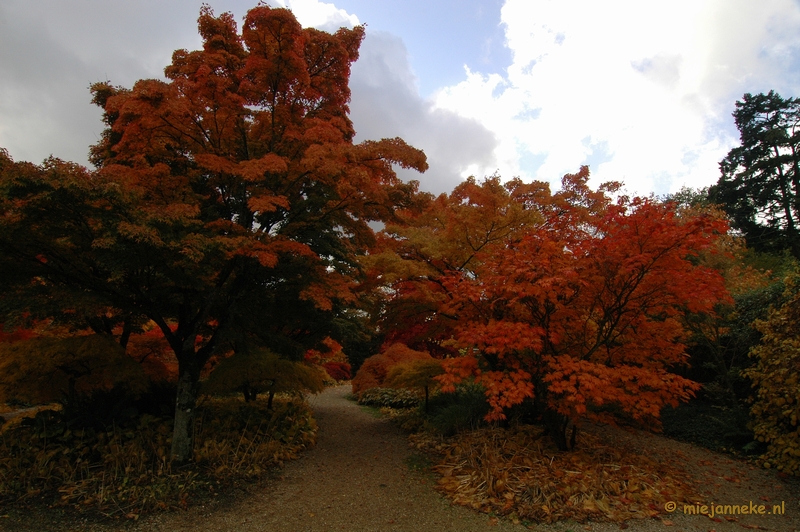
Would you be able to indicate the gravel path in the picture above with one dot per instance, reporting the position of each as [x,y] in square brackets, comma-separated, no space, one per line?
[355,479]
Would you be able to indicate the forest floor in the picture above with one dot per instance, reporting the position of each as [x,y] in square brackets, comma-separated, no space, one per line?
[362,476]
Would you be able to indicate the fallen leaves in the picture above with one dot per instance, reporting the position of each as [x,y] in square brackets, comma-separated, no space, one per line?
[517,472]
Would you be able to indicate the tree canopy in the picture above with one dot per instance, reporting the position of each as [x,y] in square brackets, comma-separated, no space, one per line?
[760,182]
[571,301]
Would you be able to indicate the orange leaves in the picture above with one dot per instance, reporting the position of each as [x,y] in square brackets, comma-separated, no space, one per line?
[457,370]
[267,203]
[516,472]
[505,389]
[215,163]
[587,303]
[254,169]
[374,370]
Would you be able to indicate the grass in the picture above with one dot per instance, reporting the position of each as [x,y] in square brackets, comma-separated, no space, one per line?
[373,411]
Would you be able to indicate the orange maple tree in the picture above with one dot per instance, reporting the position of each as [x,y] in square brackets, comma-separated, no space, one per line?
[229,201]
[432,238]
[570,302]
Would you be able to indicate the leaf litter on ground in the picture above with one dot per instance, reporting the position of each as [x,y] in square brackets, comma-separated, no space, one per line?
[518,472]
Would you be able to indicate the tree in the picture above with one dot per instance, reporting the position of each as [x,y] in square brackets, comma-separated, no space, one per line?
[262,371]
[760,183]
[438,236]
[42,370]
[581,313]
[419,373]
[776,380]
[230,202]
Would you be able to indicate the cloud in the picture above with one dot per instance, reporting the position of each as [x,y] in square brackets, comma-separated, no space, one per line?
[642,91]
[51,51]
[320,15]
[386,103]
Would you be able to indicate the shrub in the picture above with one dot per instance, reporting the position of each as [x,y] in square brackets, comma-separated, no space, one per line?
[374,370]
[338,371]
[124,470]
[776,377]
[464,409]
[389,397]
[262,371]
[419,373]
[45,370]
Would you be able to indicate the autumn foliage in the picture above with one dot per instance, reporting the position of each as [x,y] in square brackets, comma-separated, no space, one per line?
[262,371]
[570,302]
[374,371]
[338,371]
[44,370]
[776,376]
[229,204]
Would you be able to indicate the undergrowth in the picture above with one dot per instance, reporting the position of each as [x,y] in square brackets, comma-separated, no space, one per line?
[389,397]
[125,470]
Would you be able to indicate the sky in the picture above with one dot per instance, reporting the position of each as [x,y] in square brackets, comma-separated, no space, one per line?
[642,92]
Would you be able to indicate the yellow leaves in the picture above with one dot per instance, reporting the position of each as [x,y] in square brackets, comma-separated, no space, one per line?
[777,407]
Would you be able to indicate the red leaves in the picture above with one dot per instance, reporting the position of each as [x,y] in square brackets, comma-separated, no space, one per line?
[584,301]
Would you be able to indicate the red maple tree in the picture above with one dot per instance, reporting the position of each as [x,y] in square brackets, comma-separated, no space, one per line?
[570,302]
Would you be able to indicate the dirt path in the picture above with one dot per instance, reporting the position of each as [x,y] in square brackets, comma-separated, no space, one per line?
[356,478]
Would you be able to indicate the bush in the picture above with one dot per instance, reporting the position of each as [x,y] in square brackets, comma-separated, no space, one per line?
[464,409]
[374,370]
[776,377]
[262,371]
[416,374]
[389,397]
[44,370]
[338,371]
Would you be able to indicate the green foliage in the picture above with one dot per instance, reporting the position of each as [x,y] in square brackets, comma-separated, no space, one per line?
[125,470]
[776,377]
[760,180]
[389,397]
[260,371]
[44,370]
[464,409]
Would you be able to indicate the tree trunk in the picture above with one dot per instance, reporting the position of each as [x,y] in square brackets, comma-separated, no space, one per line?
[562,431]
[185,401]
[250,393]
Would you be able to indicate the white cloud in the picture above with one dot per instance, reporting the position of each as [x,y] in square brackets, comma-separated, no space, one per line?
[640,91]
[386,103]
[320,15]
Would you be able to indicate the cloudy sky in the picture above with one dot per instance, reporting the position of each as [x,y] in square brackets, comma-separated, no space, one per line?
[642,92]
